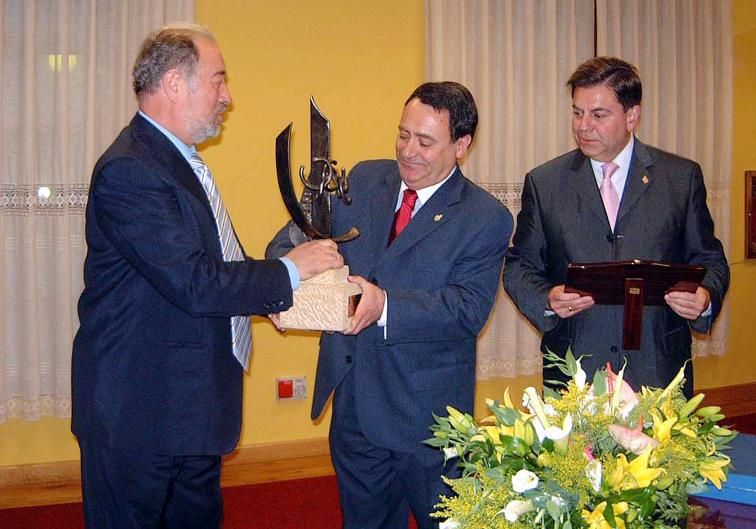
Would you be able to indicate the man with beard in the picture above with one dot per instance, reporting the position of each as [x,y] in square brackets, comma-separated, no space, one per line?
[428,260]
[614,199]
[164,337]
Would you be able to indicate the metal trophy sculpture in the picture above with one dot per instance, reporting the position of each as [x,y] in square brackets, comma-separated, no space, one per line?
[327,301]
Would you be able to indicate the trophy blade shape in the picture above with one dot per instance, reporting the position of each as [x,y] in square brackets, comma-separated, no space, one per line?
[286,186]
[312,213]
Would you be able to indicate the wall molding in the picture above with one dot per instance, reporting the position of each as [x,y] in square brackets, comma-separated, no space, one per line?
[60,481]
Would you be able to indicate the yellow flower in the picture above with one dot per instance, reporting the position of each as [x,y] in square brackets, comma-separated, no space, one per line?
[642,475]
[711,469]
[662,428]
[596,520]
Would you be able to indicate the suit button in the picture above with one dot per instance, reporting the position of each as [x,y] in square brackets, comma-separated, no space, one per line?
[609,238]
[349,359]
[613,348]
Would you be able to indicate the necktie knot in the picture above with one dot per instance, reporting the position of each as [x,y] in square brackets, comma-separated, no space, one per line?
[403,214]
[409,198]
[609,168]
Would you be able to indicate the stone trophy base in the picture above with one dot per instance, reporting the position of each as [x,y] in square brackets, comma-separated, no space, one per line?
[325,302]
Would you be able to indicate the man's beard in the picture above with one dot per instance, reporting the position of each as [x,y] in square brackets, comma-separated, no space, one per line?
[204,131]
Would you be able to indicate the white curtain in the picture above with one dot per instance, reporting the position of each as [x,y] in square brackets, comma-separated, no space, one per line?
[516,56]
[683,50]
[64,94]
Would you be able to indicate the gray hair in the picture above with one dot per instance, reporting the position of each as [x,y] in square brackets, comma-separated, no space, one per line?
[170,47]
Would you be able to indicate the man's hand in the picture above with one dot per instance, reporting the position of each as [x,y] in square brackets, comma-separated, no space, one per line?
[689,305]
[276,321]
[314,257]
[369,309]
[566,305]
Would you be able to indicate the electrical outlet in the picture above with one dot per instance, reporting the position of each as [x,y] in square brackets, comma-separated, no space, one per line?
[291,388]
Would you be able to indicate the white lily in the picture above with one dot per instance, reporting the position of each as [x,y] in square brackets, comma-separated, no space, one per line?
[451,523]
[560,436]
[450,453]
[532,401]
[580,376]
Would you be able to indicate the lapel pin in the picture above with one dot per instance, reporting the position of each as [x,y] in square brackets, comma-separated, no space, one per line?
[644,179]
[438,217]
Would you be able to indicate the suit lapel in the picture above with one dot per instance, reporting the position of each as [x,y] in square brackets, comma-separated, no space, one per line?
[434,214]
[170,158]
[583,181]
[639,179]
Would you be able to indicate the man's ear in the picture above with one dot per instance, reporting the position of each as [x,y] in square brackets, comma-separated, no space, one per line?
[632,117]
[172,84]
[461,145]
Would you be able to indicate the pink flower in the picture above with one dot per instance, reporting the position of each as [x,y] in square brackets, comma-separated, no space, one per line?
[588,453]
[633,440]
[615,383]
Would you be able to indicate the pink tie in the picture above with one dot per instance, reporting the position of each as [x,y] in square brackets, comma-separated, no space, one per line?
[403,214]
[609,193]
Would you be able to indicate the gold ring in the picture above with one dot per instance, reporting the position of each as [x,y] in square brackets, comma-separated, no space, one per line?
[570,308]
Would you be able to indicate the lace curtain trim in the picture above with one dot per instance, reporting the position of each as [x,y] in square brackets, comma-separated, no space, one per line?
[43,199]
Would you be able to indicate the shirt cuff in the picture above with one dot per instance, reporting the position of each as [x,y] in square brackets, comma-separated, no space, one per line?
[384,316]
[294,276]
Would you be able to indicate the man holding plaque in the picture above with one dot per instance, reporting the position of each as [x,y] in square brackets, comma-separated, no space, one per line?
[614,199]
[164,337]
[428,261]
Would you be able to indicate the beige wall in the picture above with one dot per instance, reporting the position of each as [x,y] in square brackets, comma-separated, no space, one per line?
[360,60]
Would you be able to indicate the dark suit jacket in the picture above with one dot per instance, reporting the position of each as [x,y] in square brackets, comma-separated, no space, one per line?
[441,278]
[152,360]
[663,216]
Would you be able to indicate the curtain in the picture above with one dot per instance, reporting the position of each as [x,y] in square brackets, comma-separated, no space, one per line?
[65,92]
[516,56]
[683,50]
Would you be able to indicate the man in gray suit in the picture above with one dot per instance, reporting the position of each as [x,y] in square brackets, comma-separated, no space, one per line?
[613,199]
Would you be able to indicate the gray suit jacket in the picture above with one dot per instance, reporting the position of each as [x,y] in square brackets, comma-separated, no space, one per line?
[663,216]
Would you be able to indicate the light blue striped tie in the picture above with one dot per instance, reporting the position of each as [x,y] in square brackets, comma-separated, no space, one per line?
[241,334]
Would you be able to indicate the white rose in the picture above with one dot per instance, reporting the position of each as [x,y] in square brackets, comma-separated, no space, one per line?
[593,472]
[517,508]
[524,480]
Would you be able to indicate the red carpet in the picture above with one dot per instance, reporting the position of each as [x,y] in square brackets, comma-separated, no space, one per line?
[311,503]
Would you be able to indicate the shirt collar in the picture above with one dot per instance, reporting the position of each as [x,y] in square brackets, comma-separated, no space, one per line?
[424,194]
[185,150]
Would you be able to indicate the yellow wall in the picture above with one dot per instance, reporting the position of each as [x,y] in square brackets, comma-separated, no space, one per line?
[361,60]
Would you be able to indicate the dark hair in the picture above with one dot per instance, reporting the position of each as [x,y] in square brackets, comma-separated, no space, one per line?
[455,99]
[620,76]
[170,47]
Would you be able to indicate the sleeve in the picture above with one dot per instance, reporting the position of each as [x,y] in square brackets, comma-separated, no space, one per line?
[154,227]
[525,277]
[704,249]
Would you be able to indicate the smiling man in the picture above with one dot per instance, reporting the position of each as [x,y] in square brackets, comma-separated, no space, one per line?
[428,260]
[614,199]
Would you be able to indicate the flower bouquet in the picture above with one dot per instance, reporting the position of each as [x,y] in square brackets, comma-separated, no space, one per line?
[594,456]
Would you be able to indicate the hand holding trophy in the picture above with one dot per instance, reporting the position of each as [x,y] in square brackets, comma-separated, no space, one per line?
[326,301]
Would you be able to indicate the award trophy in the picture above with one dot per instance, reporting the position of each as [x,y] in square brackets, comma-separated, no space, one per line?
[327,301]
